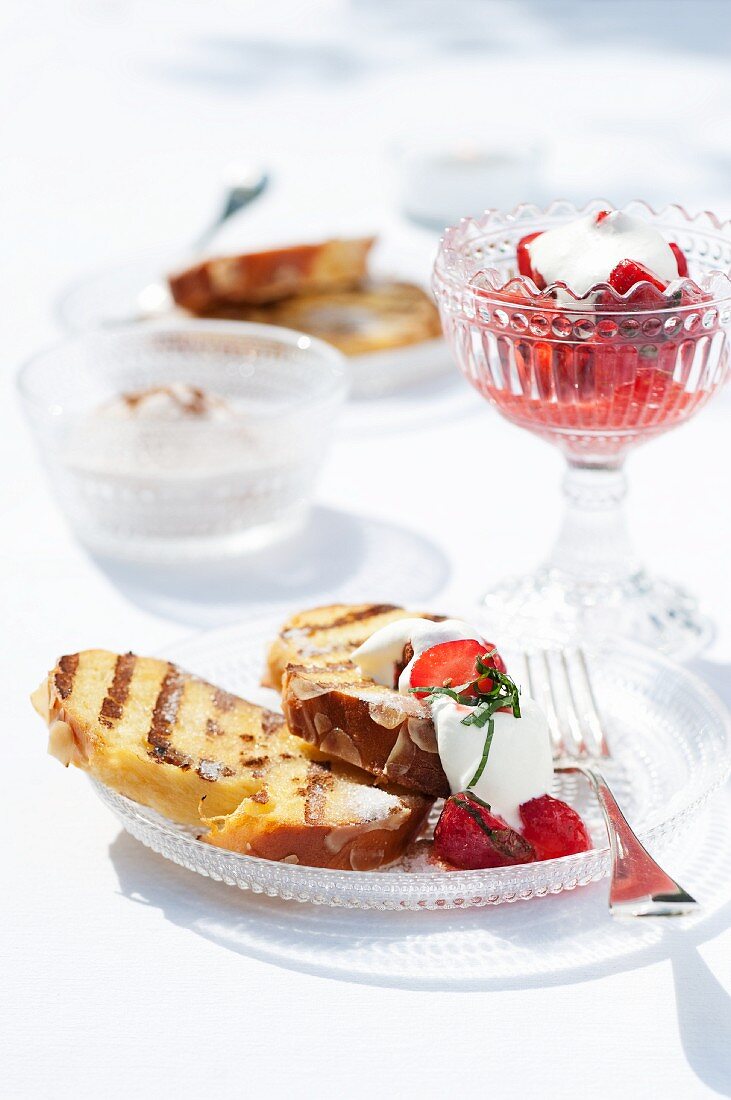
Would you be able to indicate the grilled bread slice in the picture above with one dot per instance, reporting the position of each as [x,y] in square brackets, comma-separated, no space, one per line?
[257,277]
[326,636]
[201,756]
[392,736]
[376,316]
[328,703]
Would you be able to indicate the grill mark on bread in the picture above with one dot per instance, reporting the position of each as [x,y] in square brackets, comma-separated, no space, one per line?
[254,761]
[64,678]
[355,615]
[113,706]
[164,716]
[271,723]
[223,700]
[319,782]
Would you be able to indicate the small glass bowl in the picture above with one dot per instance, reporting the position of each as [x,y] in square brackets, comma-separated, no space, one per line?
[156,488]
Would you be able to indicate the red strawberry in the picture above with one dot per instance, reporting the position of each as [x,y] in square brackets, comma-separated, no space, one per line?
[524,264]
[470,836]
[628,273]
[553,828]
[680,259]
[451,664]
[601,215]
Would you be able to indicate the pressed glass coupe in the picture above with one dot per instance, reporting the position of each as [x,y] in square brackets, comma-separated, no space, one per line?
[595,375]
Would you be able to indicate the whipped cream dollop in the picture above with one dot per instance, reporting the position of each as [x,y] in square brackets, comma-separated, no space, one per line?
[173,432]
[519,765]
[584,252]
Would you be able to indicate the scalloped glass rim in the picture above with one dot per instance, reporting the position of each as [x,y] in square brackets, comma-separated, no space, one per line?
[239,649]
[449,265]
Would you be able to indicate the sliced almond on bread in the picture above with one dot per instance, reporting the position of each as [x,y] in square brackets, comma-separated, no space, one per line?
[392,736]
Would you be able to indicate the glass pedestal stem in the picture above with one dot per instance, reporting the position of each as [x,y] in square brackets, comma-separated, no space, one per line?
[592,585]
[593,553]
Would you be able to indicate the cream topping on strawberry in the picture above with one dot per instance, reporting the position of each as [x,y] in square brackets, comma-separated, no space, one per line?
[519,762]
[519,765]
[585,252]
[384,650]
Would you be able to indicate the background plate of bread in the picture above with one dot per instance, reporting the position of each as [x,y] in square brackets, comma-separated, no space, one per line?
[366,294]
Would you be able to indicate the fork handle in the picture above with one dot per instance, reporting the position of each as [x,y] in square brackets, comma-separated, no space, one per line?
[639,886]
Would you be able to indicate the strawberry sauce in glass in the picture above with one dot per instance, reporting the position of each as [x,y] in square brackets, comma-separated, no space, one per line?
[595,375]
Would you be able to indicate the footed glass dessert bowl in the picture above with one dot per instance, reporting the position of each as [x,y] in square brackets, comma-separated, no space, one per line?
[595,373]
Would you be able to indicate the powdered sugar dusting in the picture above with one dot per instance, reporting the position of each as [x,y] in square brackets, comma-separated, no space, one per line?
[369,803]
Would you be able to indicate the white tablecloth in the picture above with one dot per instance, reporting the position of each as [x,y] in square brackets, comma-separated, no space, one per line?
[123,975]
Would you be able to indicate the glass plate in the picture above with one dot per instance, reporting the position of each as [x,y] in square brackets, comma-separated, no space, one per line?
[105,298]
[670,738]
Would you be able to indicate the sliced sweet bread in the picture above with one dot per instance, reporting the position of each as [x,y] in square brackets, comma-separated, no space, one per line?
[325,636]
[324,815]
[376,316]
[201,756]
[256,277]
[392,736]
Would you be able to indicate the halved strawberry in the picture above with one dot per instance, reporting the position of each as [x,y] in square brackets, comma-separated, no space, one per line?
[629,273]
[601,215]
[553,828]
[470,836]
[680,259]
[524,264]
[452,664]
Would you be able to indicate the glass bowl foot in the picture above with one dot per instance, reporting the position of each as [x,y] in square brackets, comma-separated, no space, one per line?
[550,610]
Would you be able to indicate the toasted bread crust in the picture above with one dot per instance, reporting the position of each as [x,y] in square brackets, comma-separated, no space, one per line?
[325,636]
[361,847]
[258,277]
[387,734]
[186,748]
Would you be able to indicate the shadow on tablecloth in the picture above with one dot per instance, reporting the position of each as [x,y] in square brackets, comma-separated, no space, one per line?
[556,940]
[337,557]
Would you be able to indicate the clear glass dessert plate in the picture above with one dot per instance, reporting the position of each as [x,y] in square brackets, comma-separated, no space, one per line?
[110,297]
[670,736]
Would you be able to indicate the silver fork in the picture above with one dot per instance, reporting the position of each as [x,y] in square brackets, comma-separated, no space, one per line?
[560,683]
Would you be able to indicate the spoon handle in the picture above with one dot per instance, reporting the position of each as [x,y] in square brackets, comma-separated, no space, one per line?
[237,198]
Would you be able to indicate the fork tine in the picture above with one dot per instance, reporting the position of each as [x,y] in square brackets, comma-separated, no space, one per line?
[573,713]
[532,661]
[522,676]
[593,723]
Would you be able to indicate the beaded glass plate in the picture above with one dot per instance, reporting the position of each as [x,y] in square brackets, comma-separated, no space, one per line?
[670,738]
